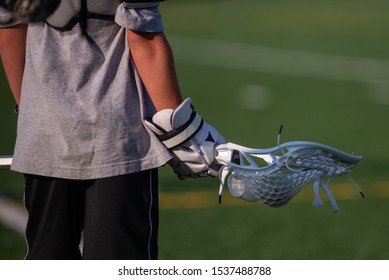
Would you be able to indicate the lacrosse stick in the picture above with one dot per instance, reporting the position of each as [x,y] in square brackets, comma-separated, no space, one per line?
[5,162]
[275,175]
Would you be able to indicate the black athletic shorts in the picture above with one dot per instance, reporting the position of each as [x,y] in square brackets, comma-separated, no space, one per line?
[112,218]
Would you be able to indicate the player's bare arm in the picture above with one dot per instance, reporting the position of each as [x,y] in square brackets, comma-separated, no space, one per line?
[12,52]
[154,61]
[185,134]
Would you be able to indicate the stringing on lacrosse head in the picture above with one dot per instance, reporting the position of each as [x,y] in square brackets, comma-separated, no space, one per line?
[30,10]
[283,171]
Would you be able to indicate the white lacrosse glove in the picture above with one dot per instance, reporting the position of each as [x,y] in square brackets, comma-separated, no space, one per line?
[190,140]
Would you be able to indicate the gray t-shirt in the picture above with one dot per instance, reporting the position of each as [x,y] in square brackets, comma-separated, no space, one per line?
[83,103]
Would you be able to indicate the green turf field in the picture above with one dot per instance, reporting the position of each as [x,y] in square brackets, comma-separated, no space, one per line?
[320,68]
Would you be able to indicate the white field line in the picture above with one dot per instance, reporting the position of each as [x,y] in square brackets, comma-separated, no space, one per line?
[239,56]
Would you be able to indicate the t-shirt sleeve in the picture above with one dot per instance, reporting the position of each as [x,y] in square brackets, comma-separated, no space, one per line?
[146,19]
[6,19]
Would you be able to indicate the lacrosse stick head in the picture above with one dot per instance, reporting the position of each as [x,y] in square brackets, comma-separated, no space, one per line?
[274,176]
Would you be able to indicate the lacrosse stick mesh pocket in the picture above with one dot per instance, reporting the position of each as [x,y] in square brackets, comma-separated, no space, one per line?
[274,189]
[276,184]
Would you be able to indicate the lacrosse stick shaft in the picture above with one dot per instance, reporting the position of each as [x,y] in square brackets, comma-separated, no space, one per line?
[5,162]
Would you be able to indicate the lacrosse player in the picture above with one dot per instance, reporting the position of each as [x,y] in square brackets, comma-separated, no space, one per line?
[100,110]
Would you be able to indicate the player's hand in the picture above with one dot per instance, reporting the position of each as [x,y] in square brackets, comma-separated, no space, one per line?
[190,140]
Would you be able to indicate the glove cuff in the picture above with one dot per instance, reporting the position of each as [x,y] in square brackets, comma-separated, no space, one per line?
[178,136]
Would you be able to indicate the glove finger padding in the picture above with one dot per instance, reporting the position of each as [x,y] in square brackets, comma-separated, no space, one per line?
[190,140]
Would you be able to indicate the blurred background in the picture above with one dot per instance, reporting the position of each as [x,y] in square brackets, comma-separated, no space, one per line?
[320,68]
